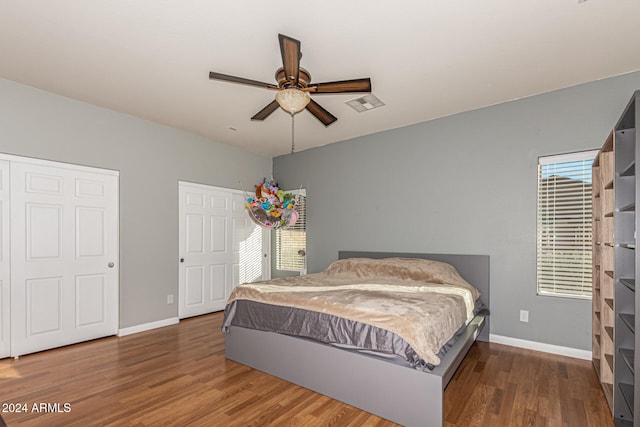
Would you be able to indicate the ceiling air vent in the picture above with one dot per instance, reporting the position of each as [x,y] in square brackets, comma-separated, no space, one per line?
[365,103]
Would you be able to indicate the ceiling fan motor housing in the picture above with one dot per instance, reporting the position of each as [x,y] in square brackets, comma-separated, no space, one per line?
[285,81]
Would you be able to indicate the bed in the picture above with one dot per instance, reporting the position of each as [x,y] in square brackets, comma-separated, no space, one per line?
[408,396]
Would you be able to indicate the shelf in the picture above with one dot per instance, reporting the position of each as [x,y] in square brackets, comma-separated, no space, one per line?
[609,302]
[609,359]
[608,393]
[630,170]
[629,283]
[627,394]
[609,331]
[627,356]
[623,423]
[628,245]
[629,320]
[627,122]
[631,207]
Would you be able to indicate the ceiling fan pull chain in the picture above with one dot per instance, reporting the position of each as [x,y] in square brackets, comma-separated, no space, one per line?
[292,134]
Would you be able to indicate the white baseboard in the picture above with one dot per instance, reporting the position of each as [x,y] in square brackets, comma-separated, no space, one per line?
[147,326]
[498,339]
[539,346]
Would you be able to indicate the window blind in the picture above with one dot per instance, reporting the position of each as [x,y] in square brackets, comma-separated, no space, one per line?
[291,242]
[564,227]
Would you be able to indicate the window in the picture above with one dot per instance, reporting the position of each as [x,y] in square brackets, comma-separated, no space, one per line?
[291,242]
[564,225]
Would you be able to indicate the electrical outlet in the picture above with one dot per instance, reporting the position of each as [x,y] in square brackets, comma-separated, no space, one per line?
[170,299]
[524,315]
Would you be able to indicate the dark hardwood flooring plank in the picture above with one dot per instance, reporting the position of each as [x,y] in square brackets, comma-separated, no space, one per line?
[178,375]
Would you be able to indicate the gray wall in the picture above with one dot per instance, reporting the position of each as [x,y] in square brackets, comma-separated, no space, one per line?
[151,159]
[460,184]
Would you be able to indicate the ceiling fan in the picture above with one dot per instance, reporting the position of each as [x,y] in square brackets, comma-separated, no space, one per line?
[294,85]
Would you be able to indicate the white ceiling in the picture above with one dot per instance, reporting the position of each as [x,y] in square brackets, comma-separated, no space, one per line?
[426,58]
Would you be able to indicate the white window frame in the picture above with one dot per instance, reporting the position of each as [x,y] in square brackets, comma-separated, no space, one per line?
[557,272]
[293,264]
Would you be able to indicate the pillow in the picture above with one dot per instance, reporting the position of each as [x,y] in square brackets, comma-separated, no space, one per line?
[423,270]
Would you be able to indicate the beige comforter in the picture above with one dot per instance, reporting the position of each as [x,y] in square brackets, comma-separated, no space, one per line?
[424,308]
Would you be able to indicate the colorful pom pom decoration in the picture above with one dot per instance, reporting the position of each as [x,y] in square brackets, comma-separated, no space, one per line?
[271,207]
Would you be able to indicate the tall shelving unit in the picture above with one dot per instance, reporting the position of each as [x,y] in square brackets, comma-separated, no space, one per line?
[603,325]
[616,350]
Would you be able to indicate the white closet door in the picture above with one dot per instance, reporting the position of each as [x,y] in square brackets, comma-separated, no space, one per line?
[218,248]
[64,266]
[5,280]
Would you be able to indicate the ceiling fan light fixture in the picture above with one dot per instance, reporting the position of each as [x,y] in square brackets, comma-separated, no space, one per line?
[292,100]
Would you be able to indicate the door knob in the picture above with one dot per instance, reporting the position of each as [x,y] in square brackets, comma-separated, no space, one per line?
[181,259]
[110,265]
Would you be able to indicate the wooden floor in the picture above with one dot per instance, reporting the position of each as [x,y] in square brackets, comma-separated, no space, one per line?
[178,376]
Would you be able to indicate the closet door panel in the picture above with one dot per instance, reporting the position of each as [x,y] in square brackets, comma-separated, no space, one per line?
[64,245]
[44,309]
[5,303]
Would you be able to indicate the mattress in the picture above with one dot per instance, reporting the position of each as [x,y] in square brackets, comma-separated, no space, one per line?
[406,309]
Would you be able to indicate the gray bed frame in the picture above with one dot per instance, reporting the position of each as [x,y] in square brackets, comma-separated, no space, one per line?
[398,393]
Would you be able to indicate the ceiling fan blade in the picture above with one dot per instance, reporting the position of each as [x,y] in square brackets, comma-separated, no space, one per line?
[290,51]
[357,85]
[321,114]
[234,79]
[266,111]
